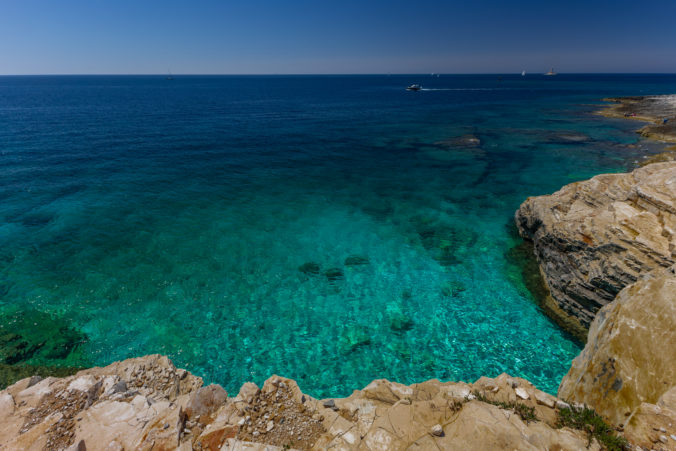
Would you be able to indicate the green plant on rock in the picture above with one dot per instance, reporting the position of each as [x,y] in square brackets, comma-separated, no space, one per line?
[525,412]
[586,419]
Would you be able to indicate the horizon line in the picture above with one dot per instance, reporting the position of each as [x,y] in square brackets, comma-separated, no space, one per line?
[324,74]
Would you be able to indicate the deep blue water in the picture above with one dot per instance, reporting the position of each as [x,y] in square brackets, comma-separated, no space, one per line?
[330,229]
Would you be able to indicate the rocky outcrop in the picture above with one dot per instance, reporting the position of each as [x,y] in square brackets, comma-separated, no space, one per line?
[659,110]
[147,403]
[595,237]
[630,357]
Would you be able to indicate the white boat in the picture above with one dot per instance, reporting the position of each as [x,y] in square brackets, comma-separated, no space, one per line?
[414,87]
[523,73]
[551,72]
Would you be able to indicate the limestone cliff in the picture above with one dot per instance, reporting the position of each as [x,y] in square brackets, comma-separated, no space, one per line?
[630,356]
[595,237]
[146,403]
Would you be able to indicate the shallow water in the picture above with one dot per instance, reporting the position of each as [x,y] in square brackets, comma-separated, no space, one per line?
[330,229]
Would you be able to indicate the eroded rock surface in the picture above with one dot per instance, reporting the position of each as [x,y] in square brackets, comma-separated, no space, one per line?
[629,362]
[146,403]
[595,237]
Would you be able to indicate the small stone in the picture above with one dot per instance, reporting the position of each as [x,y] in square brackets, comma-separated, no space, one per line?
[544,399]
[330,404]
[495,389]
[663,430]
[521,393]
[270,426]
[437,430]
[673,437]
[562,405]
[256,433]
[663,439]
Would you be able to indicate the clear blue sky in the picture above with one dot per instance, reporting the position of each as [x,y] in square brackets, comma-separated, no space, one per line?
[326,36]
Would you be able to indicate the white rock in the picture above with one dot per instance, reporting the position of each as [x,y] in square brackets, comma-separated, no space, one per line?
[437,430]
[6,404]
[521,393]
[545,399]
[82,383]
[270,426]
[562,405]
[40,389]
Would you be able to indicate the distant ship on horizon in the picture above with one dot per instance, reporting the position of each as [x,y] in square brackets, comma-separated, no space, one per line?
[551,72]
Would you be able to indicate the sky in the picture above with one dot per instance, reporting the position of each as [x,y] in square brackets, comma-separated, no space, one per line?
[335,37]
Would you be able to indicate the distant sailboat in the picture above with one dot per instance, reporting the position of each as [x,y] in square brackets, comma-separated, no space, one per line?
[169,77]
[551,72]
[523,73]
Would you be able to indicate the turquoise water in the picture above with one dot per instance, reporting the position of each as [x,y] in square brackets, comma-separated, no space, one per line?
[330,229]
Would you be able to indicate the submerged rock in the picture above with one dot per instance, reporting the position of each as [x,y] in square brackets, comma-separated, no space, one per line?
[567,137]
[334,274]
[467,141]
[352,337]
[399,321]
[446,242]
[30,335]
[453,288]
[595,237]
[311,268]
[356,260]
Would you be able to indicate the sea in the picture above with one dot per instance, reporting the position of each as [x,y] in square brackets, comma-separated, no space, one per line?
[330,229]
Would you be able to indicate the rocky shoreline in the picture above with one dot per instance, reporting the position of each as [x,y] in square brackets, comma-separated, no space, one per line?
[654,110]
[595,237]
[607,253]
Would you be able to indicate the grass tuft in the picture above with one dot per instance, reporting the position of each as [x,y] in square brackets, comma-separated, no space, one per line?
[586,419]
[526,413]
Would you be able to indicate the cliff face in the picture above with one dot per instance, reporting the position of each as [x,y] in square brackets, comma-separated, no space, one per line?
[146,403]
[595,237]
[630,356]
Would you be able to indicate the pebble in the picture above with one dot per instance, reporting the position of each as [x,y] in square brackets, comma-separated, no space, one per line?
[270,426]
[330,403]
[673,437]
[663,430]
[521,393]
[437,430]
[663,439]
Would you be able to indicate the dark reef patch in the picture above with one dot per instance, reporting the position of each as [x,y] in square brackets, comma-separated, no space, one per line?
[31,336]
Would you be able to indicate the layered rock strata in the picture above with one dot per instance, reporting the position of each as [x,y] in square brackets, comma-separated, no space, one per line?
[629,362]
[595,237]
[146,403]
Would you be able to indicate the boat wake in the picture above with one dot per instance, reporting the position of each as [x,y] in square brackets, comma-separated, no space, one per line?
[465,89]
